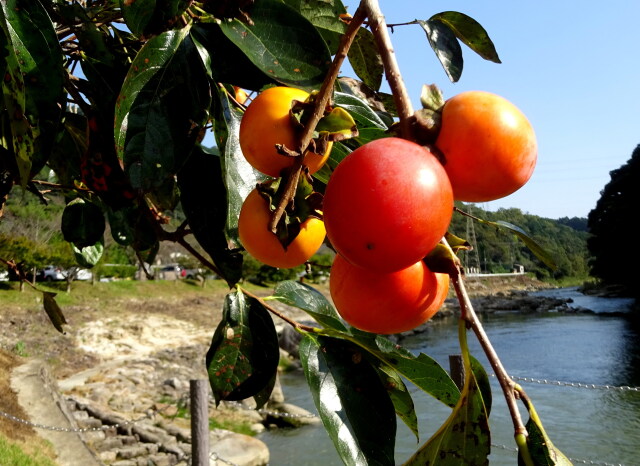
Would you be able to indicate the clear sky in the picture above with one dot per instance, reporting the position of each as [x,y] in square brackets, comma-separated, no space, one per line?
[572,67]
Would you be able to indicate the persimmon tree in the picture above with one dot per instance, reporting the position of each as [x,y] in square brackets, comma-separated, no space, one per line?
[115,101]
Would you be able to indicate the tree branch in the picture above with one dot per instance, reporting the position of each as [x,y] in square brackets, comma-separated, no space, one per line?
[321,100]
[392,71]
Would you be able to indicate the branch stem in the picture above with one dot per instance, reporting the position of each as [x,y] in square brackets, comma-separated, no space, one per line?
[385,47]
[321,100]
[506,383]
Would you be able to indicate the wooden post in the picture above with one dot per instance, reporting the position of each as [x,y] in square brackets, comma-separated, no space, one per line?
[456,369]
[199,392]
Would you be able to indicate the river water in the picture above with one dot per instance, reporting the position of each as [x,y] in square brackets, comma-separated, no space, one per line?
[590,425]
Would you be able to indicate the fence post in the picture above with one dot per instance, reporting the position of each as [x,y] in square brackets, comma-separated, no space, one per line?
[199,393]
[456,369]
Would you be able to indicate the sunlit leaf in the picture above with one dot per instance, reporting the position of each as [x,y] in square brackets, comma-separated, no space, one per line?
[538,444]
[366,60]
[282,43]
[470,32]
[239,176]
[89,256]
[244,353]
[446,47]
[361,112]
[354,406]
[309,300]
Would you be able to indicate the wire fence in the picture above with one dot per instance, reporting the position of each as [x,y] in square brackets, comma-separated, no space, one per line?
[152,412]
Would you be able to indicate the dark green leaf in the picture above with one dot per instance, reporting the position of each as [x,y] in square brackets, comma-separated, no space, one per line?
[325,16]
[400,397]
[244,354]
[162,108]
[53,311]
[82,223]
[354,406]
[423,371]
[311,301]
[33,52]
[538,444]
[89,255]
[224,61]
[482,379]
[146,17]
[470,32]
[67,154]
[446,47]
[366,60]
[239,176]
[281,43]
[204,202]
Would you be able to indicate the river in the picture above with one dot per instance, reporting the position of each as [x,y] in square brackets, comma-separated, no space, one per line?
[590,425]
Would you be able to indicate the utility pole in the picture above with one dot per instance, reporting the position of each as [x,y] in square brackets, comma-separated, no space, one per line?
[472,257]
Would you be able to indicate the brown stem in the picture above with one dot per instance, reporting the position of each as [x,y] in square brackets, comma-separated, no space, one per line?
[506,383]
[321,101]
[400,96]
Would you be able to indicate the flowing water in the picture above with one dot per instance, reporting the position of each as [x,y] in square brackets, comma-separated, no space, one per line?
[594,425]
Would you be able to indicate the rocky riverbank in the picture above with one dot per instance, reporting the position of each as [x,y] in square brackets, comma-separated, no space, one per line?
[136,365]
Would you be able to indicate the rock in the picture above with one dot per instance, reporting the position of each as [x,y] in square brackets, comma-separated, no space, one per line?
[242,450]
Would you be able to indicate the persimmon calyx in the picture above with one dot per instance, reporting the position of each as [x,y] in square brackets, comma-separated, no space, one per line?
[304,204]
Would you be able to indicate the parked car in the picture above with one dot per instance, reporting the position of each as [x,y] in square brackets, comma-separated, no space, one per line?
[50,273]
[79,274]
[4,275]
[171,272]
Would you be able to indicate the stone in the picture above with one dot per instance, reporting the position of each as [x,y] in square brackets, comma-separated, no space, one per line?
[239,449]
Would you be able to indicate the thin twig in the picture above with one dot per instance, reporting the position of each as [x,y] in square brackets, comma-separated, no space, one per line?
[274,311]
[321,101]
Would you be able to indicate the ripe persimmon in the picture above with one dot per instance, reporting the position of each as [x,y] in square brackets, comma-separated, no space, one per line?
[387,204]
[264,245]
[489,146]
[386,303]
[267,122]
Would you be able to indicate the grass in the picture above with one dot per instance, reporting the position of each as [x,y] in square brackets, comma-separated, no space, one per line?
[13,454]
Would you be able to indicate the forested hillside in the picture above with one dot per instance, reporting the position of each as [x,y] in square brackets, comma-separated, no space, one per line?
[30,232]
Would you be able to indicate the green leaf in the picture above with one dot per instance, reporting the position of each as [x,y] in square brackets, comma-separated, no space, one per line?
[464,438]
[53,311]
[325,16]
[204,202]
[470,32]
[32,83]
[224,61]
[444,43]
[422,370]
[240,177]
[400,397]
[354,406]
[535,248]
[543,452]
[162,108]
[281,43]
[311,301]
[366,60]
[82,223]
[89,256]
[361,112]
[244,354]
[146,17]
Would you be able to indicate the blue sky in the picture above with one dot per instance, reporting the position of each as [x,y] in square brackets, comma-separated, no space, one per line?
[572,67]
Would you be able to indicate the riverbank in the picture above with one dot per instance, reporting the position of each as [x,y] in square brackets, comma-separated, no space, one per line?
[133,359]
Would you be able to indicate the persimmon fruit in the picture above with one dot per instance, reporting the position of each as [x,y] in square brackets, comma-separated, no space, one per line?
[386,303]
[261,243]
[489,146]
[387,204]
[267,122]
